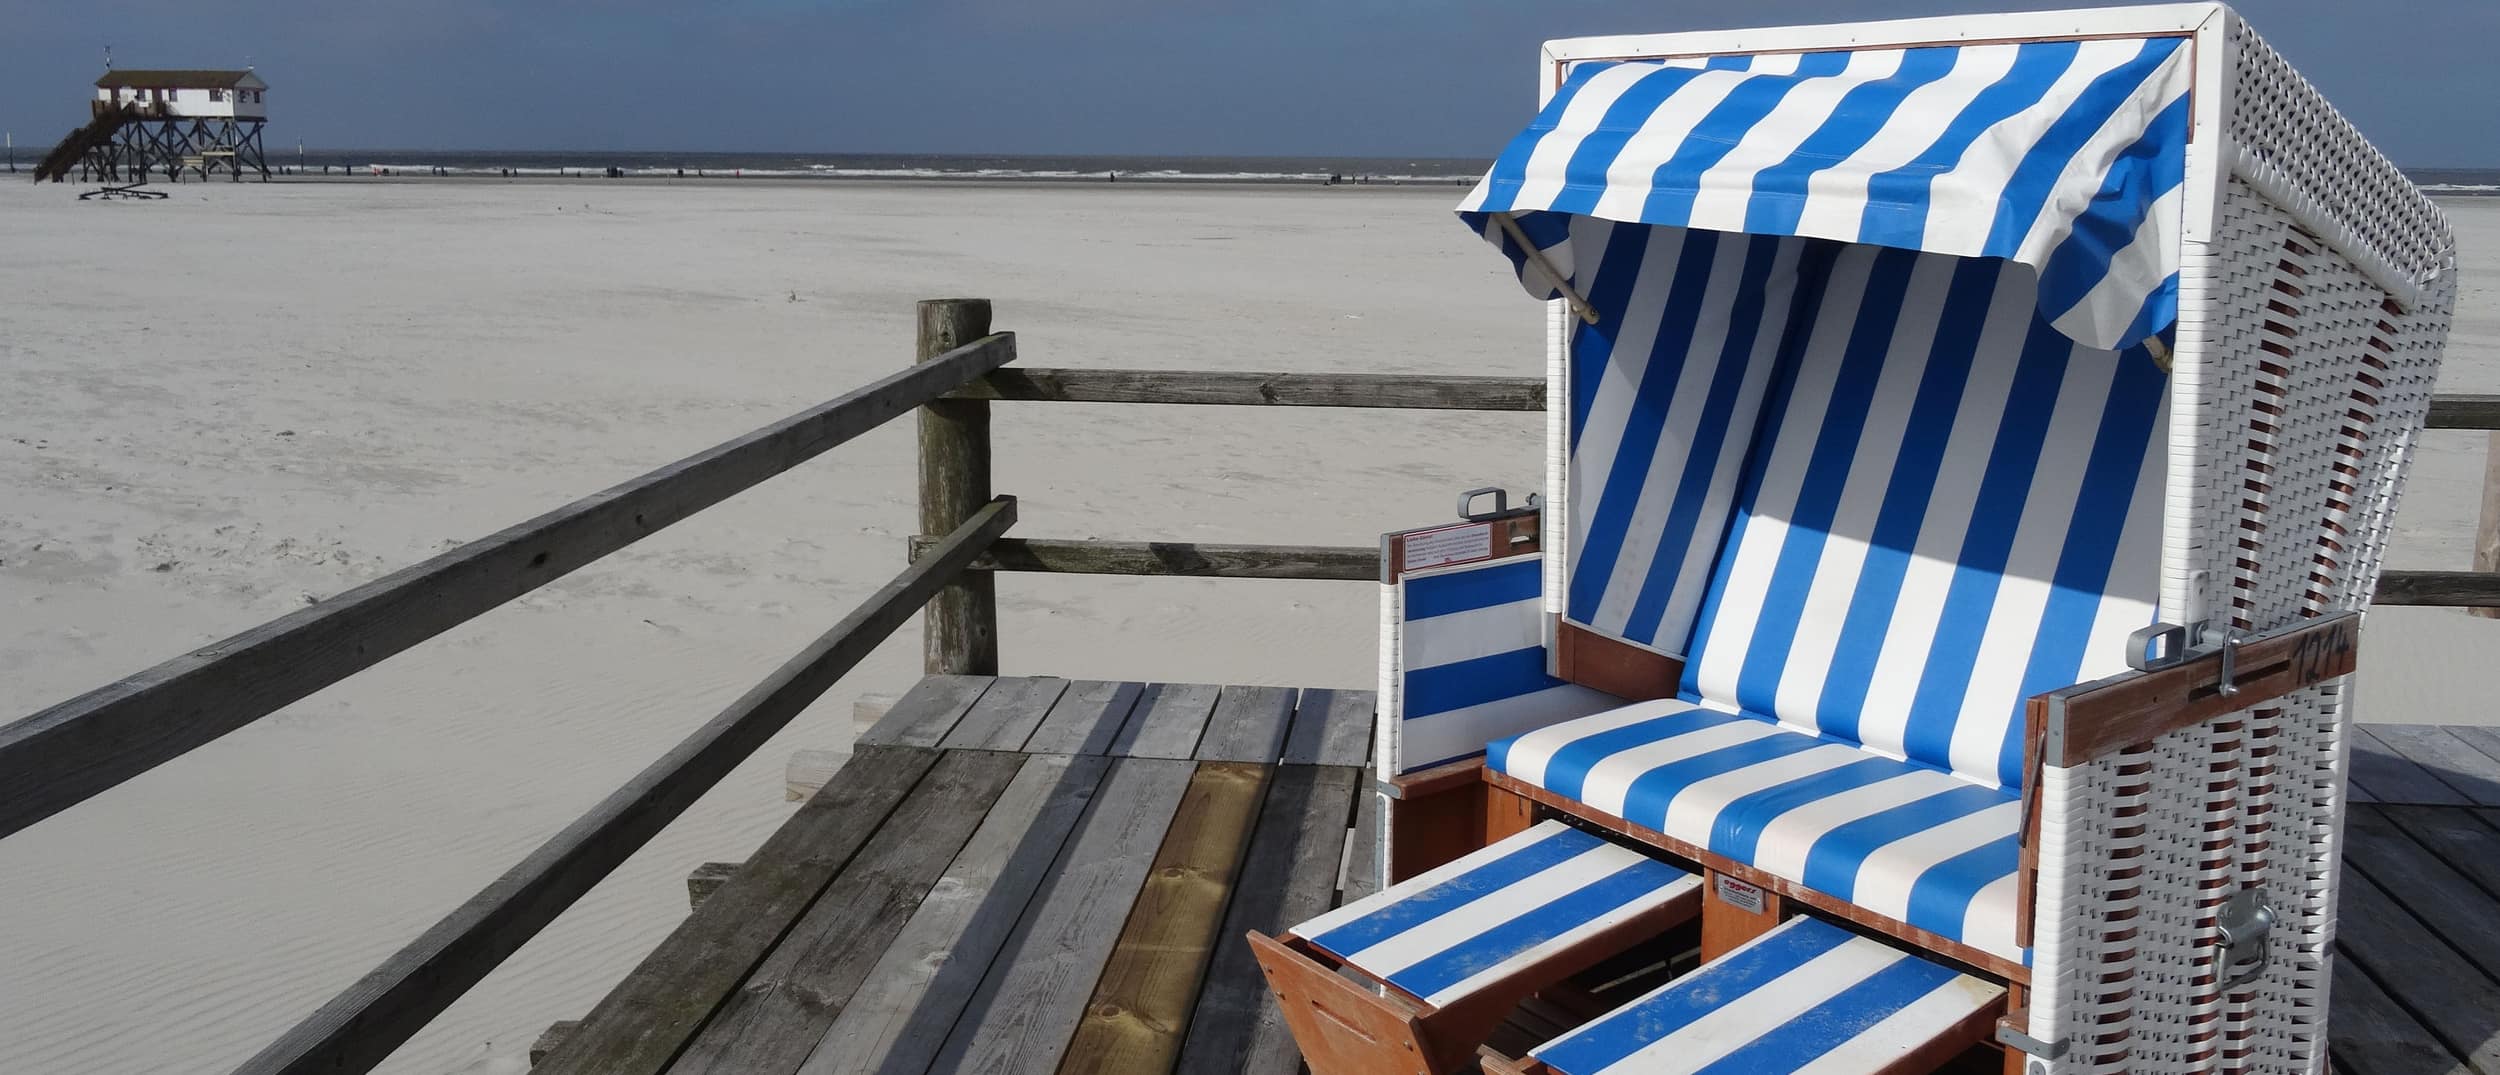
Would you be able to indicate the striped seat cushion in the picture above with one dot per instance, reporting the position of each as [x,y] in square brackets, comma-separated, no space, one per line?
[1899,839]
[1806,997]
[1448,933]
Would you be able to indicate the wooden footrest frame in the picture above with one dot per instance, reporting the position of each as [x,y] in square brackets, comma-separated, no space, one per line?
[1415,977]
[1807,996]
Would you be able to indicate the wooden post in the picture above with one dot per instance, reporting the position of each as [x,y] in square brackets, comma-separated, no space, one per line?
[2487,535]
[959,630]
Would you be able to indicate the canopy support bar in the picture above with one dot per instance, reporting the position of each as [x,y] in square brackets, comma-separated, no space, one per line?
[1536,257]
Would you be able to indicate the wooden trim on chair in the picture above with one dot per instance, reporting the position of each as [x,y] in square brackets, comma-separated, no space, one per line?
[1993,965]
[1437,815]
[2091,720]
[1612,665]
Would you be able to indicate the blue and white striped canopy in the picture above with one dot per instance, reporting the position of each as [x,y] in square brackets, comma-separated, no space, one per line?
[2066,156]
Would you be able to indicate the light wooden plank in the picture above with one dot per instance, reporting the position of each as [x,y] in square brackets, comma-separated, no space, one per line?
[1246,389]
[2394,778]
[650,1015]
[2453,999]
[1363,868]
[1332,727]
[1022,1016]
[2486,740]
[903,1013]
[1290,877]
[926,713]
[1189,559]
[1006,714]
[1087,719]
[773,1020]
[2452,905]
[1170,719]
[2373,1035]
[372,1017]
[2453,760]
[1249,725]
[1142,1003]
[68,752]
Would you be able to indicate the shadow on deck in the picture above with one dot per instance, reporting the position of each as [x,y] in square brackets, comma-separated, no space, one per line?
[1039,875]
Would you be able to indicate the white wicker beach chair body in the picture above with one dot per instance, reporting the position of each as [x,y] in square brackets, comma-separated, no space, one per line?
[2313,290]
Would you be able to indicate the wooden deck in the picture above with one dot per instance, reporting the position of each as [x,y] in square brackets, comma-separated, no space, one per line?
[1039,875]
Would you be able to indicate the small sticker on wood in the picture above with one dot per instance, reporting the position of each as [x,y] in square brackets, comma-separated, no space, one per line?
[1453,545]
[1739,895]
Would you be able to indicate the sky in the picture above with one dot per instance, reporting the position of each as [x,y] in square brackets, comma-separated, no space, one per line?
[1363,78]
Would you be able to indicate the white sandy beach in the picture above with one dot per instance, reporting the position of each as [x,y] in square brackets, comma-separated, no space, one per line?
[216,408]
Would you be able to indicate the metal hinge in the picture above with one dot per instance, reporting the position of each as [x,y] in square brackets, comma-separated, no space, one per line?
[2025,1043]
[2246,920]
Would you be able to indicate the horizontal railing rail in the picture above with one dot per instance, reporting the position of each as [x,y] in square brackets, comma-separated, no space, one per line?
[1375,391]
[360,1027]
[65,754]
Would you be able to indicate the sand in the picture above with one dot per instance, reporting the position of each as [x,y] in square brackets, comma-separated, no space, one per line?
[222,406]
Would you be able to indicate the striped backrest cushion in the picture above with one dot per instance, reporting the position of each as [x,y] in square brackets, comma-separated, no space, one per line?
[1667,388]
[1950,507]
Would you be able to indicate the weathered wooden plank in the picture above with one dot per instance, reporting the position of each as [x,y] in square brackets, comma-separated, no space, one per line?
[959,632]
[1229,388]
[2373,1035]
[2459,410]
[706,879]
[2444,899]
[649,1016]
[2486,740]
[903,1013]
[1006,714]
[2471,846]
[1332,727]
[774,1018]
[2461,589]
[2394,778]
[70,751]
[1086,719]
[1290,876]
[361,1025]
[1142,1003]
[1170,719]
[1022,1016]
[2453,760]
[1346,563]
[1363,867]
[2453,999]
[927,712]
[1249,724]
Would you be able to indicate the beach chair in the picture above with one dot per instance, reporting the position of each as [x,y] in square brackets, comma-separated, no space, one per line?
[1971,444]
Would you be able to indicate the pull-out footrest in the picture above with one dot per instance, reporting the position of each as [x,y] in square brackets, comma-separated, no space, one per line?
[1433,963]
[1805,997]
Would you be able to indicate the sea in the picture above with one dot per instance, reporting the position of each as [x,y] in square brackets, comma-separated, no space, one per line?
[831,166]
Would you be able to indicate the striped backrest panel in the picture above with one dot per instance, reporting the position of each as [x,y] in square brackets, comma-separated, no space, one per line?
[1666,391]
[1951,506]
[1472,663]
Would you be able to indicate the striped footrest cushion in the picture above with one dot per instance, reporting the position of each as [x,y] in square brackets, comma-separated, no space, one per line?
[1805,997]
[1499,913]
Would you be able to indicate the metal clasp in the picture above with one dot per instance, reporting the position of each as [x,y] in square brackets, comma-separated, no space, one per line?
[2246,920]
[2229,683]
[2141,654]
[1501,504]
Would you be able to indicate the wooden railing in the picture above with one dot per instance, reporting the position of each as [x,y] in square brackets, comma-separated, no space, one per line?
[70,752]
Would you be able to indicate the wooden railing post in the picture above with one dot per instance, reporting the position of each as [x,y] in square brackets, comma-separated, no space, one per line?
[959,630]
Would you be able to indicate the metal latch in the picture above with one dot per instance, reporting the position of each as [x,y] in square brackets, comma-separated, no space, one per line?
[1501,504]
[2165,644]
[2246,920]
[2025,1043]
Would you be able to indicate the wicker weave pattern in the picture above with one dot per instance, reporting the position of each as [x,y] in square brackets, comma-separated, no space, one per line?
[2302,390]
[2290,143]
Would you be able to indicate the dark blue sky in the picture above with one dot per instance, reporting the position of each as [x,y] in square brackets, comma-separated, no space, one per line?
[1285,77]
